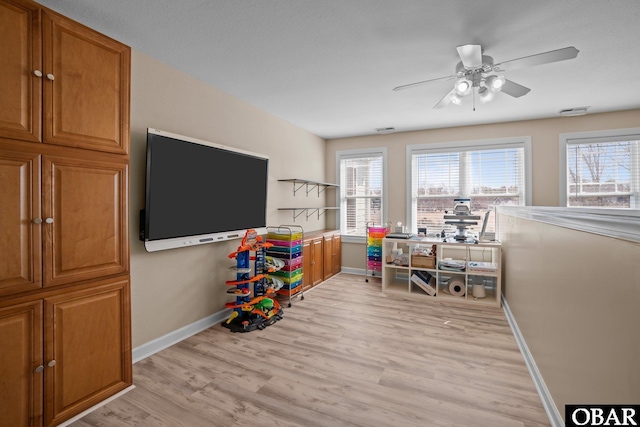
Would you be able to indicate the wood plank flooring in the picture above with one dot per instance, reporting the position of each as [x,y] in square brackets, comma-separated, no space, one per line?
[345,356]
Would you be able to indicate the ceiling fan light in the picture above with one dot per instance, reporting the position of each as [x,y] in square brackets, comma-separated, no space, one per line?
[494,82]
[455,99]
[463,86]
[486,95]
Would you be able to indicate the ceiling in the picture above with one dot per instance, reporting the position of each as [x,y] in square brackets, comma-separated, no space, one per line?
[329,66]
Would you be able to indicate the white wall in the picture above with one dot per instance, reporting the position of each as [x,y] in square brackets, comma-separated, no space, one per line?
[171,289]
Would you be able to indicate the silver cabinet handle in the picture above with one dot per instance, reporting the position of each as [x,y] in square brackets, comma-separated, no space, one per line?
[51,364]
[40,368]
[49,220]
[38,73]
[37,221]
[50,76]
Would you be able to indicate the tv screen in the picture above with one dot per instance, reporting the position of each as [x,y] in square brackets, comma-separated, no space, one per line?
[200,192]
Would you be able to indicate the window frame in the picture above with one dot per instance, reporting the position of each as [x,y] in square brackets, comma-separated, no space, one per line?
[610,135]
[470,145]
[356,154]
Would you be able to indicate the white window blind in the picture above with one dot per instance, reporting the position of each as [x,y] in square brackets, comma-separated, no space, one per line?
[361,192]
[491,175]
[602,172]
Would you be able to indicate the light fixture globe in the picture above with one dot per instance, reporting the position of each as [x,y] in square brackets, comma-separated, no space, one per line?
[486,95]
[494,82]
[455,99]
[463,86]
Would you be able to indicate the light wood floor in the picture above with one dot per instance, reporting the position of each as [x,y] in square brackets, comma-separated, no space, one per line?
[345,356]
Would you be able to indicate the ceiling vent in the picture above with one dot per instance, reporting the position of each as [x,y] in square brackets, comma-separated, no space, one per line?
[578,111]
[383,131]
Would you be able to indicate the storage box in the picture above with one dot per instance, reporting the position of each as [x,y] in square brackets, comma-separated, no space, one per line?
[423,261]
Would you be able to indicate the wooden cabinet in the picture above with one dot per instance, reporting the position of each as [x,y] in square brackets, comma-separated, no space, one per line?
[79,232]
[64,352]
[321,256]
[62,83]
[86,202]
[88,343]
[20,246]
[332,255]
[21,53]
[65,340]
[312,262]
[22,340]
[336,254]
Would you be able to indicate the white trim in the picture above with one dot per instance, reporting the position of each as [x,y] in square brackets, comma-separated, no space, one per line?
[96,406]
[481,144]
[545,396]
[611,135]
[351,270]
[616,223]
[160,343]
[355,154]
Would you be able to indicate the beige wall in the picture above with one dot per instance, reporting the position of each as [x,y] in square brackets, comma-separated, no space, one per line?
[575,298]
[544,135]
[171,289]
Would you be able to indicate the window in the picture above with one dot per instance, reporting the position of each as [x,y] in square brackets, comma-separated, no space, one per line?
[362,188]
[490,173]
[600,169]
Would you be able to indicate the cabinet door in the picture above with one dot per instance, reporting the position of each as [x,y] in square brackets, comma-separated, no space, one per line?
[88,348]
[21,89]
[20,245]
[317,257]
[307,260]
[86,87]
[20,356]
[336,256]
[85,211]
[328,257]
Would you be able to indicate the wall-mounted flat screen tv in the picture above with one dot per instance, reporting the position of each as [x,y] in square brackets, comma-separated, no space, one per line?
[199,192]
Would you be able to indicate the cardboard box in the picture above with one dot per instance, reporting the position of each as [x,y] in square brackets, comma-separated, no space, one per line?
[422,261]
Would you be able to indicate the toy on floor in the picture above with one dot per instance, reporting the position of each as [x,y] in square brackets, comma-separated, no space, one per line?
[257,309]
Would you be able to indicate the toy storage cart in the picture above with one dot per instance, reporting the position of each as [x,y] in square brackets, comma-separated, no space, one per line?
[375,234]
[287,246]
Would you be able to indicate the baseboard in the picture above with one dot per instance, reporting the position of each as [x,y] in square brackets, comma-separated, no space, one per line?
[351,270]
[547,401]
[154,346]
[94,407]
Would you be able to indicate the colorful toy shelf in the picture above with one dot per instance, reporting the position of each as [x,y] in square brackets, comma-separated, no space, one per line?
[375,234]
[286,246]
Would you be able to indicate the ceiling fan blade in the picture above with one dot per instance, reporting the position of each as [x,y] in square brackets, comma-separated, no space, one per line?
[514,89]
[446,100]
[541,58]
[410,85]
[470,55]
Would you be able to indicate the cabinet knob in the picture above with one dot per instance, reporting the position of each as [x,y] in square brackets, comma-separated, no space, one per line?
[40,368]
[37,221]
[37,73]
[49,220]
[51,76]
[51,364]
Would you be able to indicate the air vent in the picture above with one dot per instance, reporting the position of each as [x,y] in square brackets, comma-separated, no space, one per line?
[578,111]
[383,131]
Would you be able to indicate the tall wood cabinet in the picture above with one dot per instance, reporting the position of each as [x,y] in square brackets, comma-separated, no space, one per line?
[64,271]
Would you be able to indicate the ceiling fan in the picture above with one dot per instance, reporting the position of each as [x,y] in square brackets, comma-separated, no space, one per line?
[476,73]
